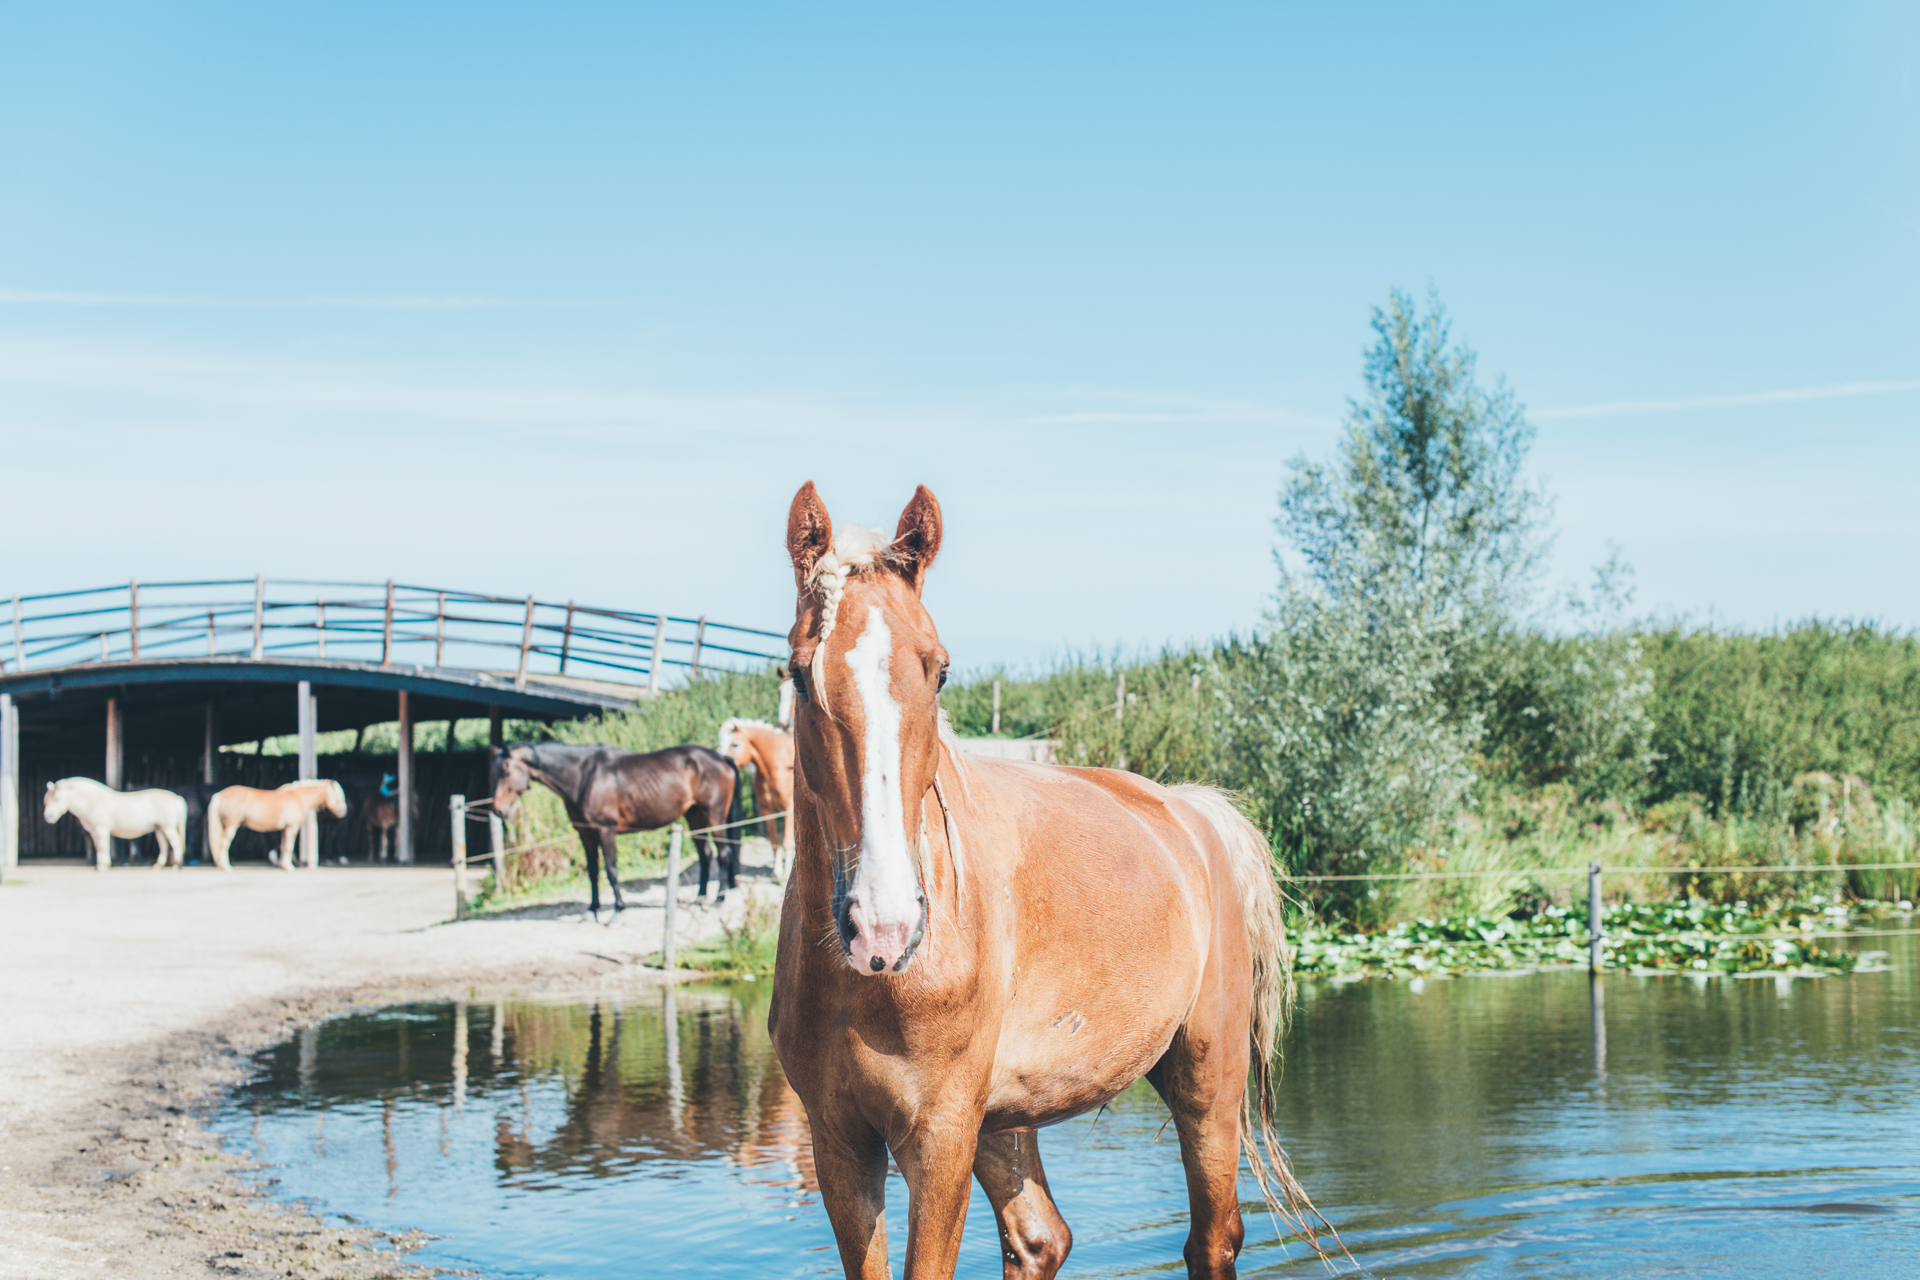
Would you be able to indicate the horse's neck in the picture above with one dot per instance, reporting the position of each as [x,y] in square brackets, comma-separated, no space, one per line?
[561,769]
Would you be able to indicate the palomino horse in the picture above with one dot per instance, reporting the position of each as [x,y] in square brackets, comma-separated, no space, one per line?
[609,792]
[973,948]
[770,752]
[106,813]
[284,809]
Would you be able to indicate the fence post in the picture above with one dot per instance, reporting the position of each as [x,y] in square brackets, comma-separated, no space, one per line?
[699,638]
[653,661]
[259,612]
[673,892]
[320,625]
[440,632]
[497,839]
[386,629]
[116,745]
[458,804]
[566,639]
[133,621]
[526,643]
[19,648]
[1595,941]
[1120,697]
[209,633]
[995,730]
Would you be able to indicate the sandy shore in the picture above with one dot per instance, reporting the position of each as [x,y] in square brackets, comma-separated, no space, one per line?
[130,999]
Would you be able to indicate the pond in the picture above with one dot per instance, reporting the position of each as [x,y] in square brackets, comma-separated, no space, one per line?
[1478,1126]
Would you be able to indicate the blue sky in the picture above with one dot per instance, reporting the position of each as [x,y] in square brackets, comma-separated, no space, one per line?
[570,298]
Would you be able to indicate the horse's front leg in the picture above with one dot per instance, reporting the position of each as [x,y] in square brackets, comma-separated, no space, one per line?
[850,1161]
[287,836]
[937,1162]
[102,847]
[1034,1239]
[610,854]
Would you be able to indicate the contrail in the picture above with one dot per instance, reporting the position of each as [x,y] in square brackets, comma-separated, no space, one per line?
[1621,408]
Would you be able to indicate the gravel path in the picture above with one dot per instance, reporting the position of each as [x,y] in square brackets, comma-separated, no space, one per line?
[129,999]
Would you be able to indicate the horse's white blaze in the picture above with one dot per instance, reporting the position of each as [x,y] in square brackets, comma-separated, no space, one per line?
[886,893]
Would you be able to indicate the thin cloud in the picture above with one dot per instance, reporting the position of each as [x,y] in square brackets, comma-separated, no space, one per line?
[72,298]
[1624,408]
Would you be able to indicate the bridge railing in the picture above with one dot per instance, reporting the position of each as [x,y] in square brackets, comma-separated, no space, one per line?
[385,622]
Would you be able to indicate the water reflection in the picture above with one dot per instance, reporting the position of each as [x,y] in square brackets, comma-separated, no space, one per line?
[1545,1123]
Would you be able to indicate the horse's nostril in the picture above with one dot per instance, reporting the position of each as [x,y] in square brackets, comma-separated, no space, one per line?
[876,964]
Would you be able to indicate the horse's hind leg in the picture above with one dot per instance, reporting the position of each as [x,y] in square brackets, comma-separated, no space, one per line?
[1202,1079]
[1034,1239]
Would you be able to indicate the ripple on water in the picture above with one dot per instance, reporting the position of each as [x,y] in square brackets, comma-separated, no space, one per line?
[1471,1127]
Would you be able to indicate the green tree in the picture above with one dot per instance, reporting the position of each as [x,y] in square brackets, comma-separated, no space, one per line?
[1351,720]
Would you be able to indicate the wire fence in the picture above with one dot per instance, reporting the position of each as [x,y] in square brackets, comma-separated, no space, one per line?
[389,622]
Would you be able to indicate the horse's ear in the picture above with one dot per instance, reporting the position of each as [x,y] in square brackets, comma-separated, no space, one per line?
[916,541]
[809,533]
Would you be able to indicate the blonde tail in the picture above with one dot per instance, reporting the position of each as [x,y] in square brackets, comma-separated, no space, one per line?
[1257,881]
[217,838]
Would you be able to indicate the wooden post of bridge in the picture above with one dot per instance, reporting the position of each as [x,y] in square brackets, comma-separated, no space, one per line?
[496,727]
[386,634]
[526,646]
[403,789]
[653,661]
[116,746]
[209,751]
[9,787]
[566,639]
[259,614]
[309,716]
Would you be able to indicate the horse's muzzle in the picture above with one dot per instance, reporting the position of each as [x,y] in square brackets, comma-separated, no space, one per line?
[882,942]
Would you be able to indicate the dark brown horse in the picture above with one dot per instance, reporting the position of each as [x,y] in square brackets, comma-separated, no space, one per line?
[972,949]
[609,792]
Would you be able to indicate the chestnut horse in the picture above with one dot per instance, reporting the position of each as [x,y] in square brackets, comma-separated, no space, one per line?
[973,948]
[609,792]
[770,752]
[284,809]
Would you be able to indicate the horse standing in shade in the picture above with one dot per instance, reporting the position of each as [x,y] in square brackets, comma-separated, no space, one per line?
[974,948]
[106,813]
[770,752]
[609,792]
[284,809]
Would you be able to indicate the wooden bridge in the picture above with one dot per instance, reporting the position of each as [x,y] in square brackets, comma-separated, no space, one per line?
[178,668]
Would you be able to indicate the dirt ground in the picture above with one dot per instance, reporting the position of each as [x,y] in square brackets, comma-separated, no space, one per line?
[131,999]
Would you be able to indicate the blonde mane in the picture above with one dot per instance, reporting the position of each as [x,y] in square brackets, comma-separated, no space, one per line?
[855,550]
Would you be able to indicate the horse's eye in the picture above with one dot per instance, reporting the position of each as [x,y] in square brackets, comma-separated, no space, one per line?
[800,687]
[941,683]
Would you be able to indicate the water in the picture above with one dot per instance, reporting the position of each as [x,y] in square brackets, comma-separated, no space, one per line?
[1468,1127]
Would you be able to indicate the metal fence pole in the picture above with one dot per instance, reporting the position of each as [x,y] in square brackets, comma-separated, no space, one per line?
[566,639]
[133,621]
[309,727]
[673,886]
[1595,940]
[699,639]
[440,632]
[458,804]
[386,629]
[19,648]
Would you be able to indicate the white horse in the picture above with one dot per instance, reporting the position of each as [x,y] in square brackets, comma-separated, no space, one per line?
[107,813]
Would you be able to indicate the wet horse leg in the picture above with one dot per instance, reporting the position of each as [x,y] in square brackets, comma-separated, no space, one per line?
[937,1162]
[851,1163]
[1034,1239]
[1202,1079]
[590,841]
